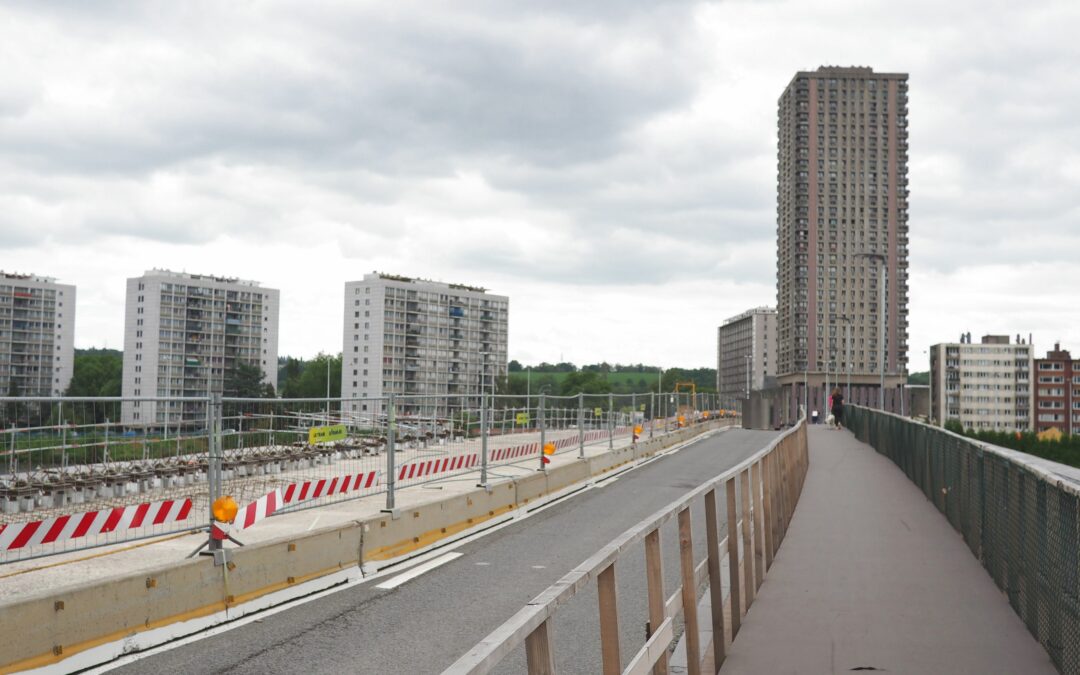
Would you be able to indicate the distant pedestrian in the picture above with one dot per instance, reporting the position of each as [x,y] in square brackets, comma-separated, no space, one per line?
[837,401]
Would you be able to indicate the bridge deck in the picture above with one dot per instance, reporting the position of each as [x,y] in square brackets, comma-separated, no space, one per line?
[871,576]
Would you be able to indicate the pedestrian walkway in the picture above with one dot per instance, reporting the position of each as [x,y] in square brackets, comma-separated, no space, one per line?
[871,577]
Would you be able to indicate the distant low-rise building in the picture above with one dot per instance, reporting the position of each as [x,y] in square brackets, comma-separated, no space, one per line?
[984,386]
[745,354]
[37,335]
[1057,392]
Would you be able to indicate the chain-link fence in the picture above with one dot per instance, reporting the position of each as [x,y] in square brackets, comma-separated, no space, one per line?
[1018,515]
[89,472]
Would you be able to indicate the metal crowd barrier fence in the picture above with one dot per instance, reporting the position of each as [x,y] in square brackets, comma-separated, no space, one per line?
[1017,513]
[85,472]
[76,476]
[759,497]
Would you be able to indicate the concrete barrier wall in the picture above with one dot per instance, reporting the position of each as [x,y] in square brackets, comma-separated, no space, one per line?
[51,626]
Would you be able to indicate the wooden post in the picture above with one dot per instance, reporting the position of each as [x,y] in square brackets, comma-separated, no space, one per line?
[759,524]
[538,654]
[689,594]
[768,510]
[609,621]
[747,538]
[733,558]
[654,575]
[716,588]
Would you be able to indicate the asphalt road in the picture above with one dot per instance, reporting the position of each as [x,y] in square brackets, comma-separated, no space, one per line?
[425,624]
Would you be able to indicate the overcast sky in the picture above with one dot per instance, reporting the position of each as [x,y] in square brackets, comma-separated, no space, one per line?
[611,166]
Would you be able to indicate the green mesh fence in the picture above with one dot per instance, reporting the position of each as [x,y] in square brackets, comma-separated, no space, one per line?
[1018,519]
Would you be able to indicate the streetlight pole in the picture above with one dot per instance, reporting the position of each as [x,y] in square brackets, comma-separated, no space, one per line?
[847,359]
[878,257]
[748,358]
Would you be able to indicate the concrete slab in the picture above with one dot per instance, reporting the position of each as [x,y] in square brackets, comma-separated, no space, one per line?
[870,576]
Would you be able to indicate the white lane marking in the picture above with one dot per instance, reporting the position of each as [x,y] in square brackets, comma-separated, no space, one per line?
[418,570]
[482,564]
[538,567]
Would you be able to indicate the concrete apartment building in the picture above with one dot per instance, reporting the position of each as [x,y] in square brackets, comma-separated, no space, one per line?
[183,333]
[985,386]
[745,354]
[37,335]
[408,336]
[842,234]
[1057,392]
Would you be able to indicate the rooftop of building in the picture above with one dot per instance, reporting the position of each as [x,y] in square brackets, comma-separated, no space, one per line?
[866,72]
[199,277]
[749,313]
[1057,354]
[417,280]
[18,276]
[965,339]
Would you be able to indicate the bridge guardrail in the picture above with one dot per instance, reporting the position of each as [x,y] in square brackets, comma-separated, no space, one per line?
[761,493]
[1018,514]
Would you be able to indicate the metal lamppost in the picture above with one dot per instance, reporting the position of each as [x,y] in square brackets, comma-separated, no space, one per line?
[847,358]
[878,257]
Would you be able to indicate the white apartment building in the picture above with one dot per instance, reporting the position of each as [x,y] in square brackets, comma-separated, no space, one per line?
[745,354]
[407,336]
[37,335]
[985,386]
[183,333]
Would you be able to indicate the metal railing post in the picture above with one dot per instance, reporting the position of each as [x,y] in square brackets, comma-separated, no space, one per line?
[213,464]
[581,425]
[483,440]
[652,413]
[611,422]
[543,432]
[391,429]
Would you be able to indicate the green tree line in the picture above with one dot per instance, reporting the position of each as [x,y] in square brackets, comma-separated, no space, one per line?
[1065,451]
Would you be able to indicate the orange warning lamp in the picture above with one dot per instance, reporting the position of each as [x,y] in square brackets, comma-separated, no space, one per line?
[549,448]
[225,509]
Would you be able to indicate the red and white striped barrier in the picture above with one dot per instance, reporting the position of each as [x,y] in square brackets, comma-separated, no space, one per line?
[325,487]
[14,536]
[263,507]
[426,468]
[515,452]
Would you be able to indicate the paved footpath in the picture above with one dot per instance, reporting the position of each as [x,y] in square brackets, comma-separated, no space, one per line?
[872,577]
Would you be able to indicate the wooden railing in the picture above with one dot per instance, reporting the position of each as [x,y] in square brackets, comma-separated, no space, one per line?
[769,484]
